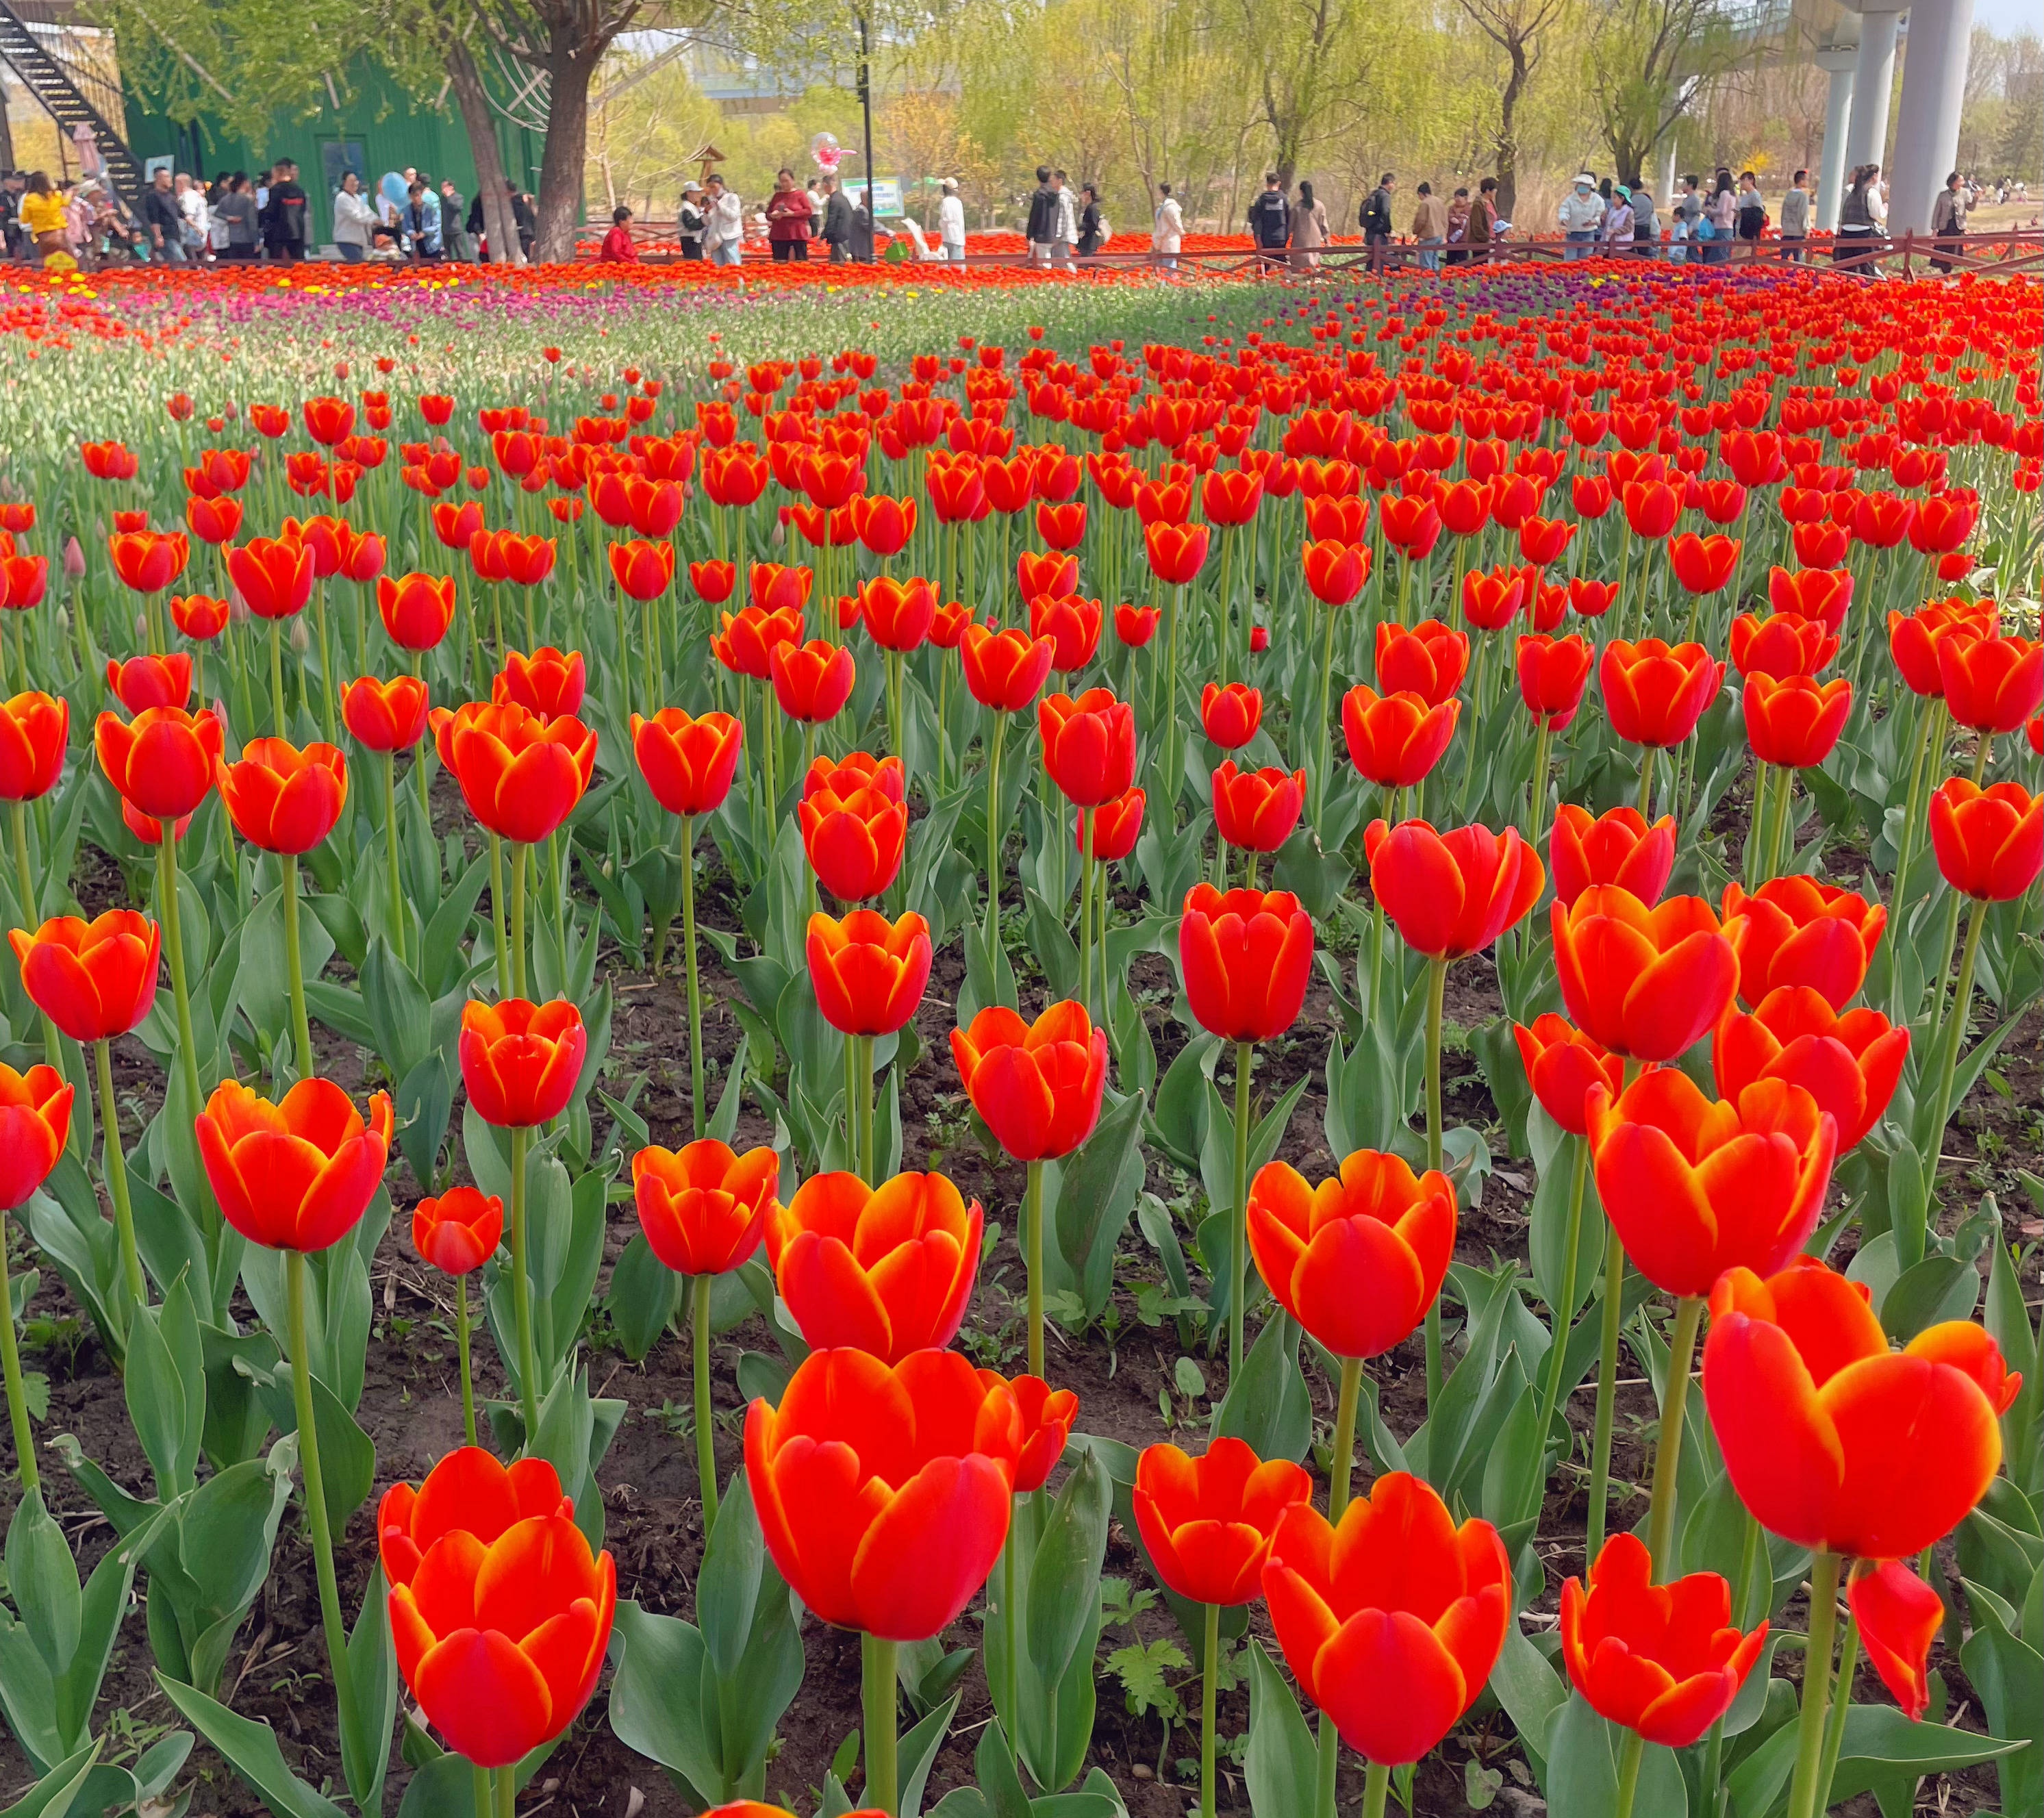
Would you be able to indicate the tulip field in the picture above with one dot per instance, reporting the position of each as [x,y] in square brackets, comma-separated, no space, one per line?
[1016,1048]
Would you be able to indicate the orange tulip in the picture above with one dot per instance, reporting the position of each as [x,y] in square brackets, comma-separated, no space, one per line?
[1616,847]
[1395,741]
[1454,892]
[1795,721]
[520,776]
[1207,1522]
[1654,694]
[854,842]
[703,1209]
[1004,670]
[520,1062]
[812,681]
[416,610]
[144,682]
[1647,983]
[1429,660]
[1255,811]
[148,561]
[1661,1660]
[1850,1064]
[35,1123]
[1989,842]
[386,716]
[1991,684]
[297,1174]
[1899,1617]
[897,614]
[1833,1440]
[459,1231]
[1392,1621]
[1358,1259]
[1554,674]
[1694,1187]
[1561,1065]
[1037,1085]
[889,1269]
[688,763]
[282,799]
[1246,957]
[549,682]
[35,731]
[642,571]
[1781,645]
[499,1628]
[1796,931]
[884,1493]
[275,574]
[869,973]
[162,761]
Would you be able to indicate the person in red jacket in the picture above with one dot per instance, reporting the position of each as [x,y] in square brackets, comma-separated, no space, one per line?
[618,244]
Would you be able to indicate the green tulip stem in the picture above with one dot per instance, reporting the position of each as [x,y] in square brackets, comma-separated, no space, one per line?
[1376,1790]
[1780,827]
[877,1695]
[1209,1662]
[1341,1460]
[1806,1788]
[326,666]
[1668,1450]
[31,919]
[277,678]
[1551,1396]
[113,1164]
[1326,732]
[1647,753]
[1631,1752]
[865,1161]
[1539,801]
[1614,1298]
[484,1792]
[166,881]
[295,965]
[10,1363]
[1245,1061]
[695,976]
[496,908]
[1174,778]
[1749,1564]
[520,859]
[1930,722]
[1955,1034]
[994,830]
[705,1434]
[894,726]
[391,852]
[461,1351]
[315,1488]
[521,1288]
[1835,1726]
[1086,908]
[1032,1220]
[507,1792]
[1437,985]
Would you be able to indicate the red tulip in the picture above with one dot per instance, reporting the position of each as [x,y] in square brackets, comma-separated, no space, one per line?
[1554,674]
[1207,1522]
[1661,1660]
[1781,645]
[1429,660]
[1358,1260]
[1850,1064]
[1115,827]
[1004,670]
[1833,1440]
[1246,957]
[884,1493]
[150,680]
[1899,1617]
[274,576]
[35,731]
[854,841]
[297,1174]
[1989,843]
[1647,983]
[1255,811]
[1703,564]
[703,1209]
[812,681]
[1795,720]
[1694,1188]
[1991,684]
[281,798]
[1454,892]
[162,761]
[1038,1085]
[35,1123]
[868,972]
[1392,1621]
[520,1062]
[1088,745]
[1561,1065]
[1655,694]
[688,763]
[1230,717]
[549,682]
[459,1231]
[1335,571]
[1177,551]
[1395,741]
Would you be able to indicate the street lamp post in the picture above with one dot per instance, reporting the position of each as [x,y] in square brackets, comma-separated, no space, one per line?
[866,104]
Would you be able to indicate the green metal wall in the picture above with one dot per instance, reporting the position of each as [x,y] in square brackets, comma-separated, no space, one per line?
[391,130]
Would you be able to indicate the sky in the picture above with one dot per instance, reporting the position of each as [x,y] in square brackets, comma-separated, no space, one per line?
[2008,16]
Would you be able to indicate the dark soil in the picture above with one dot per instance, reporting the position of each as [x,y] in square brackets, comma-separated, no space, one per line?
[411,1410]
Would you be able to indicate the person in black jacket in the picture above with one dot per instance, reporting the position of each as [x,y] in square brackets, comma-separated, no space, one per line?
[1376,222]
[284,215]
[1043,229]
[1089,219]
[1270,226]
[835,232]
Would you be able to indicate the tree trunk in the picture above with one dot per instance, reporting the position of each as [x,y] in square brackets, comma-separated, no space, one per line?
[1508,138]
[466,79]
[569,68]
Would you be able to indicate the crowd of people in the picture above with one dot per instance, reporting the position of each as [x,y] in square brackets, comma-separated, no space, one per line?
[799,221]
[84,224]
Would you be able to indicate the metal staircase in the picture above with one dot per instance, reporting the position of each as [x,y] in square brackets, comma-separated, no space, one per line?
[56,83]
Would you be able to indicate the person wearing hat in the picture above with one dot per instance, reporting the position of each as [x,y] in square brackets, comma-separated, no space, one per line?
[950,224]
[689,219]
[1580,214]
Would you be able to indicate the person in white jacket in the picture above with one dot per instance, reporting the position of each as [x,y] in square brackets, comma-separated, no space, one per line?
[355,221]
[1066,235]
[950,224]
[1167,232]
[1580,214]
[724,230]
